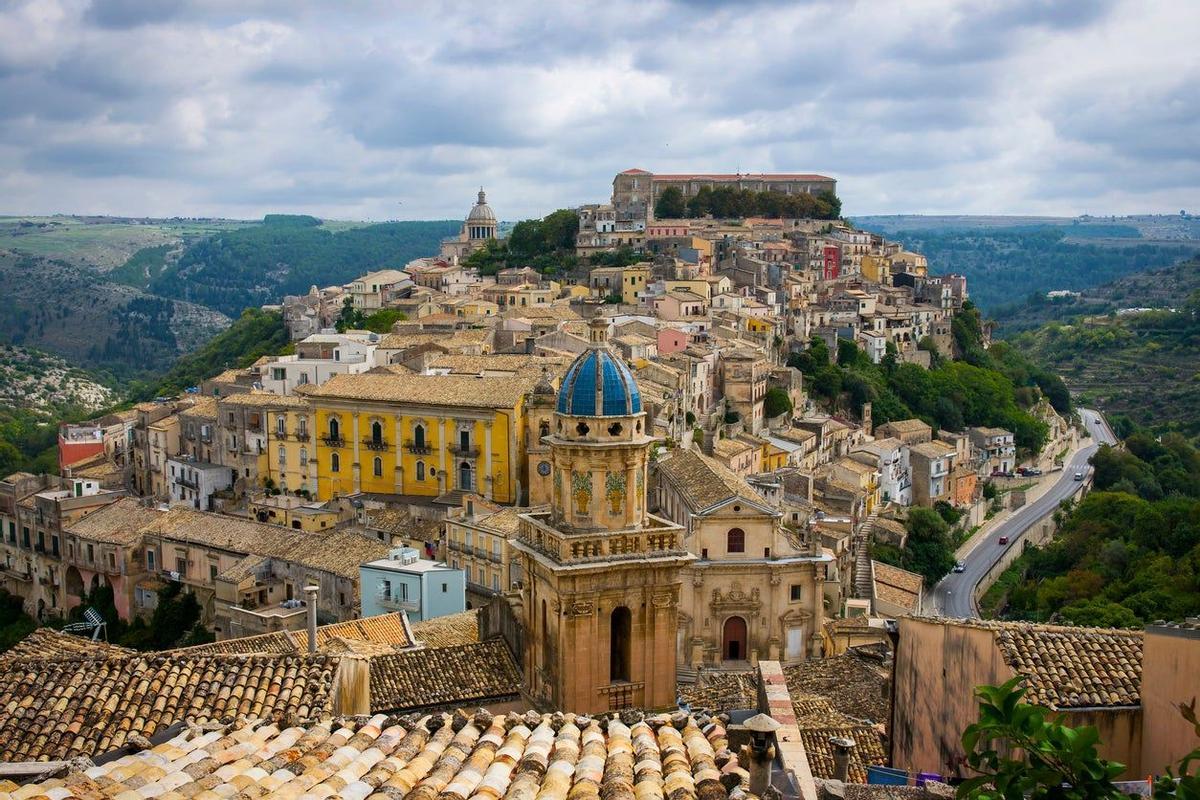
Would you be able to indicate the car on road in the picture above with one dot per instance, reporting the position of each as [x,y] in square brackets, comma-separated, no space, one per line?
[1003,540]
[960,567]
[1078,476]
[1029,472]
[999,473]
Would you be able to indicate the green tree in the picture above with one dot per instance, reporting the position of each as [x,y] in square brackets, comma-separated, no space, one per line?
[776,402]
[1020,753]
[670,204]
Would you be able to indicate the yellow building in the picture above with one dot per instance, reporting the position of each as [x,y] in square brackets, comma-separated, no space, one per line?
[422,435]
[874,268]
[277,434]
[297,513]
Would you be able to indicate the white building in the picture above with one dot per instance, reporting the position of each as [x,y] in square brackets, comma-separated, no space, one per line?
[318,358]
[193,483]
[890,457]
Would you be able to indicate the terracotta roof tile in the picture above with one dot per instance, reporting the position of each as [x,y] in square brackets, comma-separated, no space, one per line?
[451,630]
[552,756]
[386,629]
[118,523]
[49,643]
[57,709]
[467,391]
[702,481]
[472,674]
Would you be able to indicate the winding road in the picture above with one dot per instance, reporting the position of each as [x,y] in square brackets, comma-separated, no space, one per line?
[952,597]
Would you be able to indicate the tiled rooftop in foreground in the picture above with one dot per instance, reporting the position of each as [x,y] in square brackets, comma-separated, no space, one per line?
[480,756]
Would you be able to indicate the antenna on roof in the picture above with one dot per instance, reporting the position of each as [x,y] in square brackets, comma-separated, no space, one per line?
[92,623]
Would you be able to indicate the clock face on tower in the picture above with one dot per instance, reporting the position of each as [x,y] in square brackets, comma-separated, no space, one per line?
[543,468]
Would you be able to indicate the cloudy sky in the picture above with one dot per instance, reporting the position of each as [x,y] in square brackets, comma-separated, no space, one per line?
[401,110]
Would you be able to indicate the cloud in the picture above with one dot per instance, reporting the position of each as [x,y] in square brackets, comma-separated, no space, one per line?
[241,107]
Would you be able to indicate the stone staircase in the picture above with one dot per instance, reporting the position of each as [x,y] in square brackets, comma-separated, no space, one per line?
[863,585]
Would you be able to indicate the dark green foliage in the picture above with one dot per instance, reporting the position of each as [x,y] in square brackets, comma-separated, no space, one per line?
[981,390]
[251,266]
[1142,366]
[142,267]
[291,221]
[15,624]
[547,245]
[929,549]
[1020,750]
[1003,264]
[621,257]
[175,622]
[254,334]
[725,202]
[381,321]
[776,402]
[1129,553]
[670,204]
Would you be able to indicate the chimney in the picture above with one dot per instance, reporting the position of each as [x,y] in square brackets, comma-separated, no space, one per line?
[311,592]
[757,755]
[842,747]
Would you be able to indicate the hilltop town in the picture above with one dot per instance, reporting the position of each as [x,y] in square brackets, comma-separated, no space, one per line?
[699,488]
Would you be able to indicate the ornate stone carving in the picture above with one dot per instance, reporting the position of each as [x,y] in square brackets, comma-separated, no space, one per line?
[663,599]
[735,600]
[614,491]
[581,608]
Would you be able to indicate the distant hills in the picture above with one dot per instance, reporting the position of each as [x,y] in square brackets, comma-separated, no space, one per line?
[1142,364]
[125,297]
[256,265]
[1007,264]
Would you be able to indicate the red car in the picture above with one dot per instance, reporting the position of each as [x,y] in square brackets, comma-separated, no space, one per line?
[1003,540]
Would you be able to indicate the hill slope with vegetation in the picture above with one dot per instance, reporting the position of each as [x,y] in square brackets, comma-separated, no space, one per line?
[994,387]
[1128,554]
[1143,365]
[1022,262]
[258,265]
[116,332]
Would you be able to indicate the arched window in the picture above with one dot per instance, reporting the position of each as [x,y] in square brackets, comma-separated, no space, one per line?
[420,470]
[543,428]
[735,541]
[464,475]
[303,427]
[418,435]
[335,463]
[282,456]
[377,432]
[378,467]
[303,456]
[335,429]
[464,440]
[620,635]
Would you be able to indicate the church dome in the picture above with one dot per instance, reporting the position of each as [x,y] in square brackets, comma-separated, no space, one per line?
[481,212]
[598,384]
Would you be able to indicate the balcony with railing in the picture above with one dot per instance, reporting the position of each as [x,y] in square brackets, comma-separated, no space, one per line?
[375,444]
[333,441]
[422,449]
[394,601]
[658,539]
[465,452]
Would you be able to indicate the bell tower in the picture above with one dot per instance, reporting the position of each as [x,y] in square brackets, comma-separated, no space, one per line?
[602,575]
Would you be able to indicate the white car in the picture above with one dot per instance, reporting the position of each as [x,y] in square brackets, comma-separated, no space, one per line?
[1078,476]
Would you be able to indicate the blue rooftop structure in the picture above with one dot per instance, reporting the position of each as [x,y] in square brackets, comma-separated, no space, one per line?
[598,384]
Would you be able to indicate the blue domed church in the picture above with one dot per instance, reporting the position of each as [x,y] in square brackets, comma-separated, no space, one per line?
[600,599]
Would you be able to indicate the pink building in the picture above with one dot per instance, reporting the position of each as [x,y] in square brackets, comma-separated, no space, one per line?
[671,341]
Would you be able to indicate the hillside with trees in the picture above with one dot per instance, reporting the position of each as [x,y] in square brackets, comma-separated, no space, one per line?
[725,202]
[1002,264]
[114,332]
[546,244]
[1140,365]
[287,254]
[1128,554]
[994,387]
